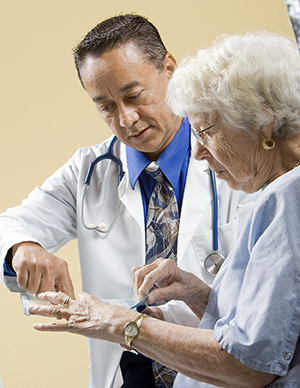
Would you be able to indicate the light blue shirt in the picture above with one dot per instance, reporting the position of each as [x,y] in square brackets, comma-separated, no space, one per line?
[254,305]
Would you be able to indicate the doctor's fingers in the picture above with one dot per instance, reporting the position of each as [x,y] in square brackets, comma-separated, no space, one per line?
[64,284]
[55,276]
[23,262]
[49,279]
[29,278]
[38,270]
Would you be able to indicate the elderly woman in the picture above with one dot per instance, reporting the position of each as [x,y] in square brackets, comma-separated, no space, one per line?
[242,97]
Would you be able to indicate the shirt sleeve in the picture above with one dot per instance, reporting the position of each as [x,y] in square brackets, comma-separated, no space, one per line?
[8,271]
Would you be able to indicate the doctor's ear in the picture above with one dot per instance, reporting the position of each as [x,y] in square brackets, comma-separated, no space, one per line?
[170,65]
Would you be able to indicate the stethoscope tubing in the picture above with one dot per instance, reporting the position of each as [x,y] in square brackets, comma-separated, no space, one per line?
[107,155]
[101,228]
[215,210]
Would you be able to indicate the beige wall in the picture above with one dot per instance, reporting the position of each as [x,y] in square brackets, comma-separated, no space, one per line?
[45,116]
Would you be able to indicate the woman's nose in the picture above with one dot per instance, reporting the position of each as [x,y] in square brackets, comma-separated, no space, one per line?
[201,152]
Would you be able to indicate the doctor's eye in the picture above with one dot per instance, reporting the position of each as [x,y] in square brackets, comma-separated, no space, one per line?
[107,108]
[135,96]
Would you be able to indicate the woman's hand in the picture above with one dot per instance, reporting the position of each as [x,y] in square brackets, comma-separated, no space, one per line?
[86,315]
[172,283]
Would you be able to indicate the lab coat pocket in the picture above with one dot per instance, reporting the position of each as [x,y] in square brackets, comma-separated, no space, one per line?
[203,245]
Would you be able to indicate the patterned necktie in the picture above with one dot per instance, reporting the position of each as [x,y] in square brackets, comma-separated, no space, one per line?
[162,219]
[161,241]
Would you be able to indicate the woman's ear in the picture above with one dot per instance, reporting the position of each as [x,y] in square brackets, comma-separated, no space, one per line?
[267,129]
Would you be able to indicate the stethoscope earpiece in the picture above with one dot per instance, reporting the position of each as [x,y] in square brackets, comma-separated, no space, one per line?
[101,226]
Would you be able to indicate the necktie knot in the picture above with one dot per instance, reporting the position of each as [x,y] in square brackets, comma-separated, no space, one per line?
[155,172]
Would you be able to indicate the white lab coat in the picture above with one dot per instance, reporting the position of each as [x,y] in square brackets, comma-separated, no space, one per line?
[51,216]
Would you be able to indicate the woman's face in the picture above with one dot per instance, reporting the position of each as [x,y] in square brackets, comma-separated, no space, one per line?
[234,155]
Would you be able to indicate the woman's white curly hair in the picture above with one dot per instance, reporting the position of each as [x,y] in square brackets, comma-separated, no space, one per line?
[243,80]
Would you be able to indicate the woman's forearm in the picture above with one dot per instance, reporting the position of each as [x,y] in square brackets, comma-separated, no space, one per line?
[191,351]
[197,354]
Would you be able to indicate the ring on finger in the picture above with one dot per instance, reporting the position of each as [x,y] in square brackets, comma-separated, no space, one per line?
[58,313]
[66,302]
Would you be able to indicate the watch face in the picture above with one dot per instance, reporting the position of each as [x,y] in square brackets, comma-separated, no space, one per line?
[131,329]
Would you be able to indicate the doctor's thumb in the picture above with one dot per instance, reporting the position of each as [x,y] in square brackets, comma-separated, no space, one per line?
[66,285]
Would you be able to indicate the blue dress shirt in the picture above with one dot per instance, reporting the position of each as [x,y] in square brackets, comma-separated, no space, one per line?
[173,161]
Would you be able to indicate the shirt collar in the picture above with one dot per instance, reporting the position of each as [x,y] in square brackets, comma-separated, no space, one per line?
[176,150]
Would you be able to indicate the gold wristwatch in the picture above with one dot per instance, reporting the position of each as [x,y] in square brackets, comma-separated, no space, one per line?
[131,329]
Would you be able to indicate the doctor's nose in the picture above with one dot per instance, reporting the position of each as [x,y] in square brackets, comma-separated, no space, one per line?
[201,152]
[128,116]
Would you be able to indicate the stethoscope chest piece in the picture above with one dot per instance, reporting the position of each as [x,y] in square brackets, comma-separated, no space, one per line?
[213,263]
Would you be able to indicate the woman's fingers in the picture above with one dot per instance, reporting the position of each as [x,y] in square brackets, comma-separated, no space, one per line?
[55,297]
[58,308]
[138,275]
[52,326]
[172,291]
[161,273]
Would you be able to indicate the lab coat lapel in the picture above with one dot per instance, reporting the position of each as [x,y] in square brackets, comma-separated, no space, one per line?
[130,198]
[197,197]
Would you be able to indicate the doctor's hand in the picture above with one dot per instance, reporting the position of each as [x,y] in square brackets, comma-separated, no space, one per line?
[38,270]
[172,283]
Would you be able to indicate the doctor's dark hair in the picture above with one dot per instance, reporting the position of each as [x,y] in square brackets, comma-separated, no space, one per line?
[116,31]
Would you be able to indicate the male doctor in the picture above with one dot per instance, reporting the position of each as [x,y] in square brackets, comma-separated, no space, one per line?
[124,67]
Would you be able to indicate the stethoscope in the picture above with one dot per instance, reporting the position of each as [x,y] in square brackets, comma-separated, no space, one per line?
[212,263]
[101,228]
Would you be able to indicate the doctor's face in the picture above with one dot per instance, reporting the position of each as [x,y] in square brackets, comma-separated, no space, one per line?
[129,94]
